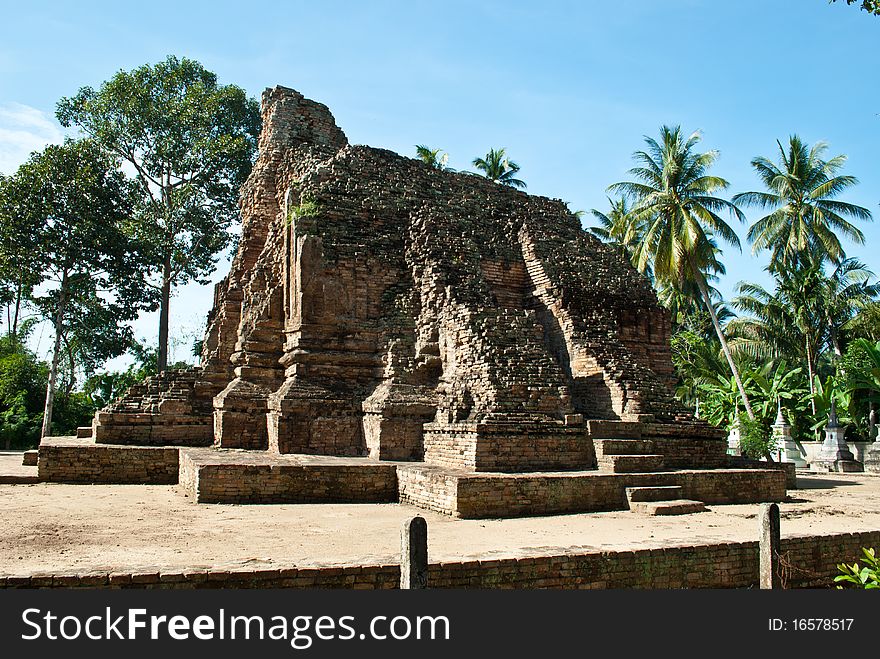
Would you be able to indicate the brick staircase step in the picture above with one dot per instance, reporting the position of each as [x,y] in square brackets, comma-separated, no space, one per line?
[655,493]
[612,429]
[621,446]
[84,432]
[29,458]
[674,507]
[625,464]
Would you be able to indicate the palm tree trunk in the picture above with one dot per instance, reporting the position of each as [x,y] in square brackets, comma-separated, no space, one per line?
[707,300]
[811,374]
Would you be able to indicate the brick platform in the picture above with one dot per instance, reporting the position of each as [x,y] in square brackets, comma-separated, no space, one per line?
[76,460]
[145,429]
[527,445]
[238,476]
[475,495]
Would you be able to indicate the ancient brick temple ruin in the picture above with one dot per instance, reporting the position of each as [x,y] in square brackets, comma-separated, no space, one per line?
[389,331]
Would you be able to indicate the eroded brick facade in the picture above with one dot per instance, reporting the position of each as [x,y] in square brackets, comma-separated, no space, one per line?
[372,295]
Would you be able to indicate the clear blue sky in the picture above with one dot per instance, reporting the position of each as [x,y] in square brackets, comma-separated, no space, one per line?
[569,88]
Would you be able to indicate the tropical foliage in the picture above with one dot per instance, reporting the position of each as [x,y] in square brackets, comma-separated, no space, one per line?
[73,203]
[434,158]
[865,576]
[810,339]
[88,243]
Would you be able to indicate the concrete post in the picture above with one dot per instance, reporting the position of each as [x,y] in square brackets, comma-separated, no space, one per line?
[414,554]
[769,545]
[872,455]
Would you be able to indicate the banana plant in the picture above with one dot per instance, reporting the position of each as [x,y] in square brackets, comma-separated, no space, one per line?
[777,383]
[823,395]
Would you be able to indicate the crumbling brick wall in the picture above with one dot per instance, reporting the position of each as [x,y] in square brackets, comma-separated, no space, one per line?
[372,294]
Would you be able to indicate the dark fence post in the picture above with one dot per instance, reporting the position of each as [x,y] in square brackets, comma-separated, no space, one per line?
[414,554]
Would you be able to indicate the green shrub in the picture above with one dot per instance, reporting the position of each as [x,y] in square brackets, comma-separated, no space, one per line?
[867,577]
[755,439]
[307,208]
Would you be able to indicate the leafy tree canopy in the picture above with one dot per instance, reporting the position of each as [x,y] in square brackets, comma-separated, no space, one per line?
[76,202]
[191,143]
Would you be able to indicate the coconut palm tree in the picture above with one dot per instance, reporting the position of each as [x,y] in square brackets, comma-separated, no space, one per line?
[805,214]
[435,158]
[846,291]
[866,323]
[675,195]
[614,226]
[619,228]
[499,168]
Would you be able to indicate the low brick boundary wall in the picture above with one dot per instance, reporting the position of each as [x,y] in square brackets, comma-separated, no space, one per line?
[808,562]
[72,460]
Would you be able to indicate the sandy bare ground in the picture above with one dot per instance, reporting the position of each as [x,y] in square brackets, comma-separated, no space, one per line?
[75,528]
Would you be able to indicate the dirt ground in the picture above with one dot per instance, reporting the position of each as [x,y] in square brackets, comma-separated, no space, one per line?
[73,528]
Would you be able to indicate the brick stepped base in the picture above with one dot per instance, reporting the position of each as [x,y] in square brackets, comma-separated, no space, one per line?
[656,493]
[237,476]
[615,429]
[144,429]
[672,507]
[477,495]
[661,500]
[621,455]
[76,460]
[628,464]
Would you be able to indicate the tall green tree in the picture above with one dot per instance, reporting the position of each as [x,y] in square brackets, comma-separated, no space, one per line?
[191,143]
[22,390]
[19,254]
[497,167]
[805,214]
[675,195]
[78,202]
